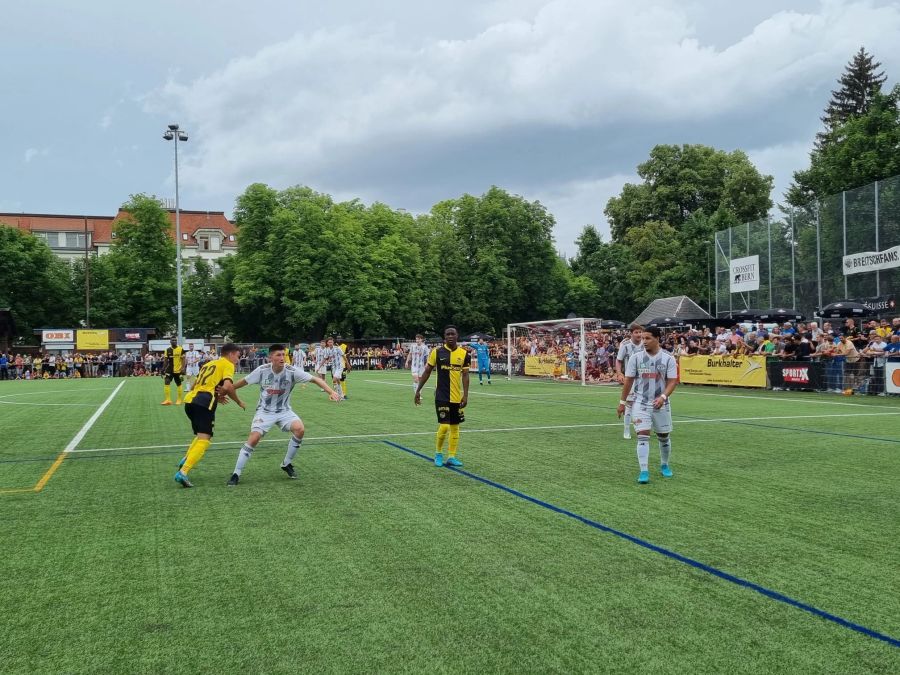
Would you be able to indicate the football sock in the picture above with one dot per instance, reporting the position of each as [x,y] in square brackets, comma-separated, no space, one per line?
[454,440]
[343,388]
[627,418]
[479,376]
[443,430]
[643,451]
[179,392]
[243,457]
[665,449]
[168,389]
[293,447]
[194,454]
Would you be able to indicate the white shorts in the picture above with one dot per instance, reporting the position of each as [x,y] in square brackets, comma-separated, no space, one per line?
[646,418]
[263,421]
[417,372]
[322,371]
[337,374]
[193,371]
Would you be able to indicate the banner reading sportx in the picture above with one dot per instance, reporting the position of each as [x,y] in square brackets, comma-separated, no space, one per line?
[733,371]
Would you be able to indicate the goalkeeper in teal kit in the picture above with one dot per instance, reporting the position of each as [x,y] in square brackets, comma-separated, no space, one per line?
[483,353]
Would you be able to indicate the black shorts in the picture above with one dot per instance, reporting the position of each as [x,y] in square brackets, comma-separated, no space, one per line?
[173,376]
[449,413]
[202,418]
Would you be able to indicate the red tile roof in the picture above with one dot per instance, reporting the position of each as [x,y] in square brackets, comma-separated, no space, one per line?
[101,227]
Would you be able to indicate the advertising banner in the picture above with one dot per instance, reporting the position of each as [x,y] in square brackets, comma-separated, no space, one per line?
[745,274]
[57,335]
[869,261]
[892,377]
[543,366]
[732,371]
[808,375]
[92,339]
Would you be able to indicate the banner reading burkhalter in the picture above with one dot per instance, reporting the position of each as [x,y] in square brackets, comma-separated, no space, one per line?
[732,371]
[92,339]
[542,366]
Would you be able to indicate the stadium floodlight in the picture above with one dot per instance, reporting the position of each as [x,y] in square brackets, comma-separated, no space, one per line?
[560,349]
[174,133]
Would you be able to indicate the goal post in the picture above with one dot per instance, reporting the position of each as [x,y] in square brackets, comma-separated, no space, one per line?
[557,349]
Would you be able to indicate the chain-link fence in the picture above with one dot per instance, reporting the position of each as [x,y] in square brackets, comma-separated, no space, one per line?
[801,255]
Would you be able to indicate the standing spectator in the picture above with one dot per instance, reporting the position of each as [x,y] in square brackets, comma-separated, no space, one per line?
[4,366]
[20,367]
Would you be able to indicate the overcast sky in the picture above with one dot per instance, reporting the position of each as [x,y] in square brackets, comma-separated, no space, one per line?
[409,102]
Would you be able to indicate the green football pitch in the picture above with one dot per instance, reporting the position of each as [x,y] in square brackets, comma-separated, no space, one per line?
[773,549]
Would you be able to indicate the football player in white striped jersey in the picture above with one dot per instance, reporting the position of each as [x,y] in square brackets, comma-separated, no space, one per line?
[276,381]
[417,358]
[626,349]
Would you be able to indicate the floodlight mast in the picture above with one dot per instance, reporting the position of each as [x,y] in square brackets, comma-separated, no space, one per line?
[175,133]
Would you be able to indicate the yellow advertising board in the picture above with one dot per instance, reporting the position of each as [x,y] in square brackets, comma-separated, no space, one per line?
[543,366]
[92,339]
[732,371]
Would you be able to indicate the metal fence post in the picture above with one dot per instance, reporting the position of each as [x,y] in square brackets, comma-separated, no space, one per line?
[769,238]
[844,210]
[877,272]
[818,256]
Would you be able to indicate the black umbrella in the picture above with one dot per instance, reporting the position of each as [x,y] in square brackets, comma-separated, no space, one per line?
[665,322]
[748,314]
[779,314]
[475,337]
[611,323]
[845,309]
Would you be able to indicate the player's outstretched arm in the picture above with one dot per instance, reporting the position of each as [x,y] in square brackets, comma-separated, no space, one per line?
[465,383]
[227,387]
[322,384]
[241,383]
[423,378]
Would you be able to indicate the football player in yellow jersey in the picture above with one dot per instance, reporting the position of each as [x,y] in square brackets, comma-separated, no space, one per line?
[451,394]
[214,383]
[343,382]
[173,368]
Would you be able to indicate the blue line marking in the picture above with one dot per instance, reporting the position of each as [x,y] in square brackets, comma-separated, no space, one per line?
[774,595]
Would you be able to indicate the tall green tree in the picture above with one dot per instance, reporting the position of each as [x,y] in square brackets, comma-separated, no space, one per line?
[861,150]
[207,301]
[608,265]
[36,284]
[106,307]
[143,260]
[680,181]
[859,84]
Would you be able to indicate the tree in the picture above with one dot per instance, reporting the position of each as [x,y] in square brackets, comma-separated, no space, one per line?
[680,181]
[860,83]
[206,301]
[607,265]
[863,149]
[143,262]
[105,296]
[36,284]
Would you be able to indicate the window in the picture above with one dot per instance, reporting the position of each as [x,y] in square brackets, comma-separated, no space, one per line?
[209,242]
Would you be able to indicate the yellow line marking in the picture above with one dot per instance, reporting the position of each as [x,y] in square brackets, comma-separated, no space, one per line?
[15,490]
[49,474]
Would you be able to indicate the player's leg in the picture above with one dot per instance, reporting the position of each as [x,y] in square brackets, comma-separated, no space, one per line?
[336,382]
[295,426]
[662,425]
[454,419]
[167,389]
[415,379]
[487,370]
[257,431]
[626,432]
[178,389]
[443,430]
[344,383]
[642,424]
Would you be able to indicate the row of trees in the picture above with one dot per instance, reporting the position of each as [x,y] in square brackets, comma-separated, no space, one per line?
[307,265]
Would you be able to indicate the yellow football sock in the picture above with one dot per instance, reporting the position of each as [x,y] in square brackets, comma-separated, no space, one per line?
[454,440]
[179,389]
[343,388]
[195,454]
[443,430]
[168,389]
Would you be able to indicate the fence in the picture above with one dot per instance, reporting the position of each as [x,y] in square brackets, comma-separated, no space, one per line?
[802,254]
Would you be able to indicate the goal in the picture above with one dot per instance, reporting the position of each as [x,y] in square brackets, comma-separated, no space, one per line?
[558,349]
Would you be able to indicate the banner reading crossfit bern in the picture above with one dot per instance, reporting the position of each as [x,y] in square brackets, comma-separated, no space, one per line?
[745,274]
[870,261]
[732,371]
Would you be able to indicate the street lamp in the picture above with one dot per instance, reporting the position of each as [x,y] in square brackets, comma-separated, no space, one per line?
[173,133]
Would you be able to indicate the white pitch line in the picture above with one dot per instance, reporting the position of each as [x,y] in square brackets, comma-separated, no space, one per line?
[502,429]
[87,425]
[679,392]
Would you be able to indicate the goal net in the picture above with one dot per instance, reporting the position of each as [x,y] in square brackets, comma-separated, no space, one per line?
[559,349]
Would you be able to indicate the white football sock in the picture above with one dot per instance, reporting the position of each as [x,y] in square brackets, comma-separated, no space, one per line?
[243,457]
[293,447]
[665,449]
[643,451]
